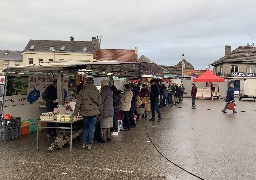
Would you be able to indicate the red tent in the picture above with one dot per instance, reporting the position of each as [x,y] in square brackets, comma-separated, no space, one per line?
[208,76]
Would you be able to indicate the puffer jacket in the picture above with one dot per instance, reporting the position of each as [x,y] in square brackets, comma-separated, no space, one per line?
[230,95]
[107,101]
[126,100]
[88,101]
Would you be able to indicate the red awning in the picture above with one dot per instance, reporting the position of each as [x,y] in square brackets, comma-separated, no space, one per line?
[208,76]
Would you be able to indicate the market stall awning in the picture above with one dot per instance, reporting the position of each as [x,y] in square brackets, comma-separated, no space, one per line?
[208,76]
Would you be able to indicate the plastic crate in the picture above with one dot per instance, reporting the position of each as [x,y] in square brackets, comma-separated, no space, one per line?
[32,123]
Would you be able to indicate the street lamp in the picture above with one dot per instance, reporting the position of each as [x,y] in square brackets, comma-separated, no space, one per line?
[182,64]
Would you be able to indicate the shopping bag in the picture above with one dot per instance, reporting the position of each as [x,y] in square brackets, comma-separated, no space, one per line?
[231,105]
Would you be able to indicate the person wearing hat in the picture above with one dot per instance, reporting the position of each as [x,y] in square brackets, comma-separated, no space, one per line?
[193,94]
[89,106]
[229,98]
[154,99]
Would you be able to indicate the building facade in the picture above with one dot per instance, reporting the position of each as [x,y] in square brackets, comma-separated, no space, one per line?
[241,62]
[10,58]
[45,51]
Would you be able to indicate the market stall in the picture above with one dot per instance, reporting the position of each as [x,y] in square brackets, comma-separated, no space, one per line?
[211,89]
[24,86]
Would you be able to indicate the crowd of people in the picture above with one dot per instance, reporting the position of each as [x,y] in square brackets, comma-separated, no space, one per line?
[133,103]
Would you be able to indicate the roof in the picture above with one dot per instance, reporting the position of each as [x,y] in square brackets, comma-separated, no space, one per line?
[173,70]
[121,69]
[144,59]
[86,47]
[121,55]
[242,54]
[195,73]
[208,76]
[7,55]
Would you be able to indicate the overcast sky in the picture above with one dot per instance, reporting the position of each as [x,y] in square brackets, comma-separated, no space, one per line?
[162,29]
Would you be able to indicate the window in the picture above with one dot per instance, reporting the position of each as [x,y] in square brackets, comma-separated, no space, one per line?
[221,70]
[50,60]
[40,61]
[52,48]
[30,61]
[62,48]
[250,69]
[234,68]
[32,47]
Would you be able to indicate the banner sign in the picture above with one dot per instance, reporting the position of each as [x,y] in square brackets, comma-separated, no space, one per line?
[241,74]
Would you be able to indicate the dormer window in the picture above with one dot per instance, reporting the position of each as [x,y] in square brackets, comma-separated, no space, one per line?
[32,47]
[52,48]
[62,48]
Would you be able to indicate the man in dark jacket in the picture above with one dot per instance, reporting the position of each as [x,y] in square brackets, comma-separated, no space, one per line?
[154,98]
[229,98]
[193,94]
[50,98]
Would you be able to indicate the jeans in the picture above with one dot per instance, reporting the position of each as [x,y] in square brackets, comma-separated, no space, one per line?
[155,106]
[115,122]
[126,121]
[89,128]
[193,101]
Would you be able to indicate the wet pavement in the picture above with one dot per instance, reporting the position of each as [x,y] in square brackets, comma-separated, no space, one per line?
[203,141]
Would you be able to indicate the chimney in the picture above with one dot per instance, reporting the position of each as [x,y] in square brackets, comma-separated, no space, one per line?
[227,50]
[71,39]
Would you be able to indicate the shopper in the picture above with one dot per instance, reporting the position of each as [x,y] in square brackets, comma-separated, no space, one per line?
[229,98]
[126,106]
[144,95]
[108,111]
[50,98]
[117,107]
[89,106]
[193,94]
[154,99]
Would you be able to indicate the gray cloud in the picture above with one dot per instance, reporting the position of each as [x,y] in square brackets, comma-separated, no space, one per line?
[162,29]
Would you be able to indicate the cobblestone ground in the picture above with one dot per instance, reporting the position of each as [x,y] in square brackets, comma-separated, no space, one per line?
[203,141]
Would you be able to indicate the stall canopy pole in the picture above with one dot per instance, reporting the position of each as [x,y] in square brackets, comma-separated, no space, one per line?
[60,88]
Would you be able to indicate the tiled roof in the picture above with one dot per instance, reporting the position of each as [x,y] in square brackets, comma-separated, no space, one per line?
[86,47]
[174,70]
[151,69]
[144,59]
[11,55]
[122,55]
[243,54]
[188,72]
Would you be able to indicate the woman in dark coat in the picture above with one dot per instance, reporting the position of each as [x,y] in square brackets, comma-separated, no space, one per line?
[117,106]
[229,98]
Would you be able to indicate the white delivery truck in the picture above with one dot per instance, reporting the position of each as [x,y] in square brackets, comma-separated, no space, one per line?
[247,88]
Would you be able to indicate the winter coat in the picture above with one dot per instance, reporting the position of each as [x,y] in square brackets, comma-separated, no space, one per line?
[117,100]
[107,101]
[165,92]
[49,95]
[230,95]
[193,91]
[126,100]
[154,93]
[144,92]
[88,101]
